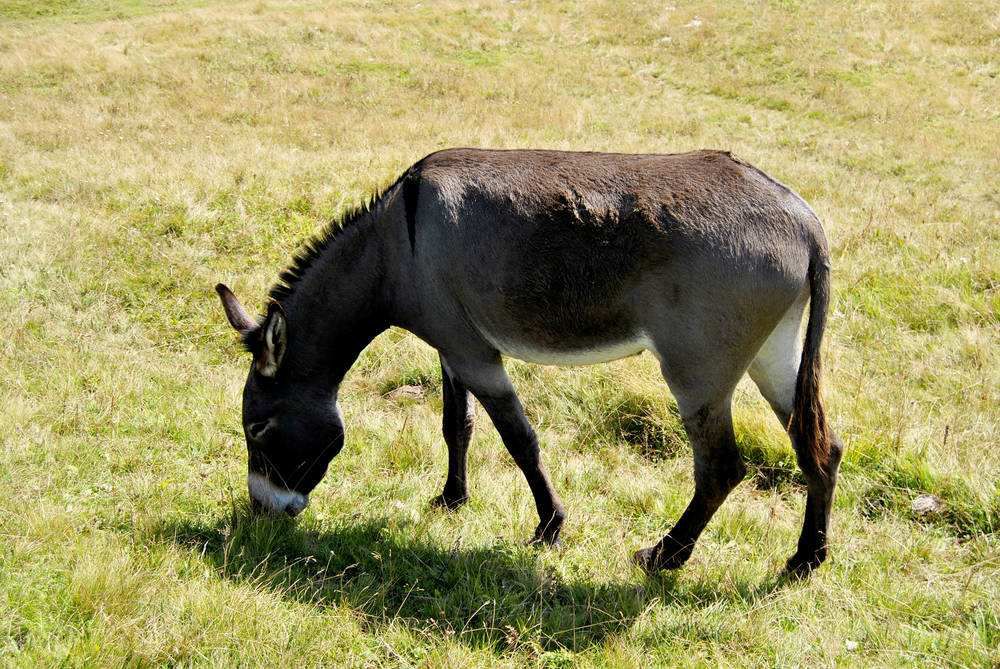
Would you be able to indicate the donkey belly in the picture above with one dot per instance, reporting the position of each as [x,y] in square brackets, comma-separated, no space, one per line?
[572,353]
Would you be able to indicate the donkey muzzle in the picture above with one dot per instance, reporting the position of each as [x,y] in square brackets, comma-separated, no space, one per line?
[274,499]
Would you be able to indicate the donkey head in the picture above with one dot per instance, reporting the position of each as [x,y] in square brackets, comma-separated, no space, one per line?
[291,420]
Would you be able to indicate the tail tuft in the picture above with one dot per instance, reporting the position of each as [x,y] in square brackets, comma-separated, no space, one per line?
[807,425]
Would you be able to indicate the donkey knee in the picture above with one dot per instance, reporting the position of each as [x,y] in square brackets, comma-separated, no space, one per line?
[715,480]
[836,452]
[730,474]
[719,465]
[823,474]
[736,473]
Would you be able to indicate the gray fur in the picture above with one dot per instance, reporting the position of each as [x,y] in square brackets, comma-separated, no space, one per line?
[567,258]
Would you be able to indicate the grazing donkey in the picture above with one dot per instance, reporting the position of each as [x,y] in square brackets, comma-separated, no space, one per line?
[557,258]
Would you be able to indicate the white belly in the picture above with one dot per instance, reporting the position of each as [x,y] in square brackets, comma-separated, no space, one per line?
[569,357]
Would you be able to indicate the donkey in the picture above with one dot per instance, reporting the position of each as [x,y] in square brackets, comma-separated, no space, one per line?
[559,258]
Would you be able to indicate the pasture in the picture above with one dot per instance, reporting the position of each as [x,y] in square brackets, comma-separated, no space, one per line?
[151,149]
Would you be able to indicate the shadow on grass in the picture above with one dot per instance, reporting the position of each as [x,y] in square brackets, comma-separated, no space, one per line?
[497,596]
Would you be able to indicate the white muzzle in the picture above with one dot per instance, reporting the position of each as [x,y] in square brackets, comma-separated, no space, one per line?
[273,498]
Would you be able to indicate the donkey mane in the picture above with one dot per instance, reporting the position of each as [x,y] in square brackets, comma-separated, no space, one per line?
[347,224]
[316,245]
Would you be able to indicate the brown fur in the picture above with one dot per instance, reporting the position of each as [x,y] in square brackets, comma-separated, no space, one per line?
[808,427]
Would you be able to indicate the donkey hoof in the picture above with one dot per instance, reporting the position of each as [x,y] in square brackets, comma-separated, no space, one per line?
[546,534]
[666,555]
[652,561]
[543,542]
[801,565]
[449,502]
[645,559]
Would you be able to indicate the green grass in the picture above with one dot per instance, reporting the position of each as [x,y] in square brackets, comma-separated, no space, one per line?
[87,10]
[149,150]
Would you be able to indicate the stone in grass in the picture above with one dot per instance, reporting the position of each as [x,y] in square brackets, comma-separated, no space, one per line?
[925,505]
[406,393]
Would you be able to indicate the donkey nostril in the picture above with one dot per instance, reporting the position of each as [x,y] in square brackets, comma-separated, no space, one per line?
[257,430]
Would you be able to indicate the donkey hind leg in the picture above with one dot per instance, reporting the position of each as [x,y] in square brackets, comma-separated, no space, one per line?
[718,468]
[774,371]
[490,384]
[457,421]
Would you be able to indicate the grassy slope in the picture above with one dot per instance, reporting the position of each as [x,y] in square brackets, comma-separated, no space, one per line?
[148,151]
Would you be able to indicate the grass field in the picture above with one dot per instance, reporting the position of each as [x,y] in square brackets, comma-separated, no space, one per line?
[149,150]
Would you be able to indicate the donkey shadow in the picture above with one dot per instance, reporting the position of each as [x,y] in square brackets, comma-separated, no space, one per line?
[498,596]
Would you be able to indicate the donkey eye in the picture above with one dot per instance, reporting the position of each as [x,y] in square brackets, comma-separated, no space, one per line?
[256,430]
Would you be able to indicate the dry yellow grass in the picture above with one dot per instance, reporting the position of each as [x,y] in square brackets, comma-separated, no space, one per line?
[148,150]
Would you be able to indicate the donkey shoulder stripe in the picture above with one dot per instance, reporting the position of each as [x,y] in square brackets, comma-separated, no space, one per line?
[411,192]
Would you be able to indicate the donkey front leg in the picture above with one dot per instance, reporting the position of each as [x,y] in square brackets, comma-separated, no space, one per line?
[508,416]
[485,376]
[718,468]
[457,421]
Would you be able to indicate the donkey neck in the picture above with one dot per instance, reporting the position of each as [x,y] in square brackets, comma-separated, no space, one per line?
[335,308]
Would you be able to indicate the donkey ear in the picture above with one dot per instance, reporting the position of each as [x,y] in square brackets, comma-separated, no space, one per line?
[237,315]
[274,341]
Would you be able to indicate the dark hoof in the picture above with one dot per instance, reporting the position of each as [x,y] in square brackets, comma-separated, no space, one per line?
[542,542]
[801,565]
[449,502]
[645,558]
[668,554]
[547,534]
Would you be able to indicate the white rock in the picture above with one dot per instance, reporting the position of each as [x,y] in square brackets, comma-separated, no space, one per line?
[925,504]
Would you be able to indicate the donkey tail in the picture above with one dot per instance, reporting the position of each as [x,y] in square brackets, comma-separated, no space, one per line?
[807,425]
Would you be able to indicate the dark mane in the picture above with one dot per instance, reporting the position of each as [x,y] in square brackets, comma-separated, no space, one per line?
[314,247]
[347,224]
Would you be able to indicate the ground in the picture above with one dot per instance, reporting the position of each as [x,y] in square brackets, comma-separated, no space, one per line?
[150,150]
